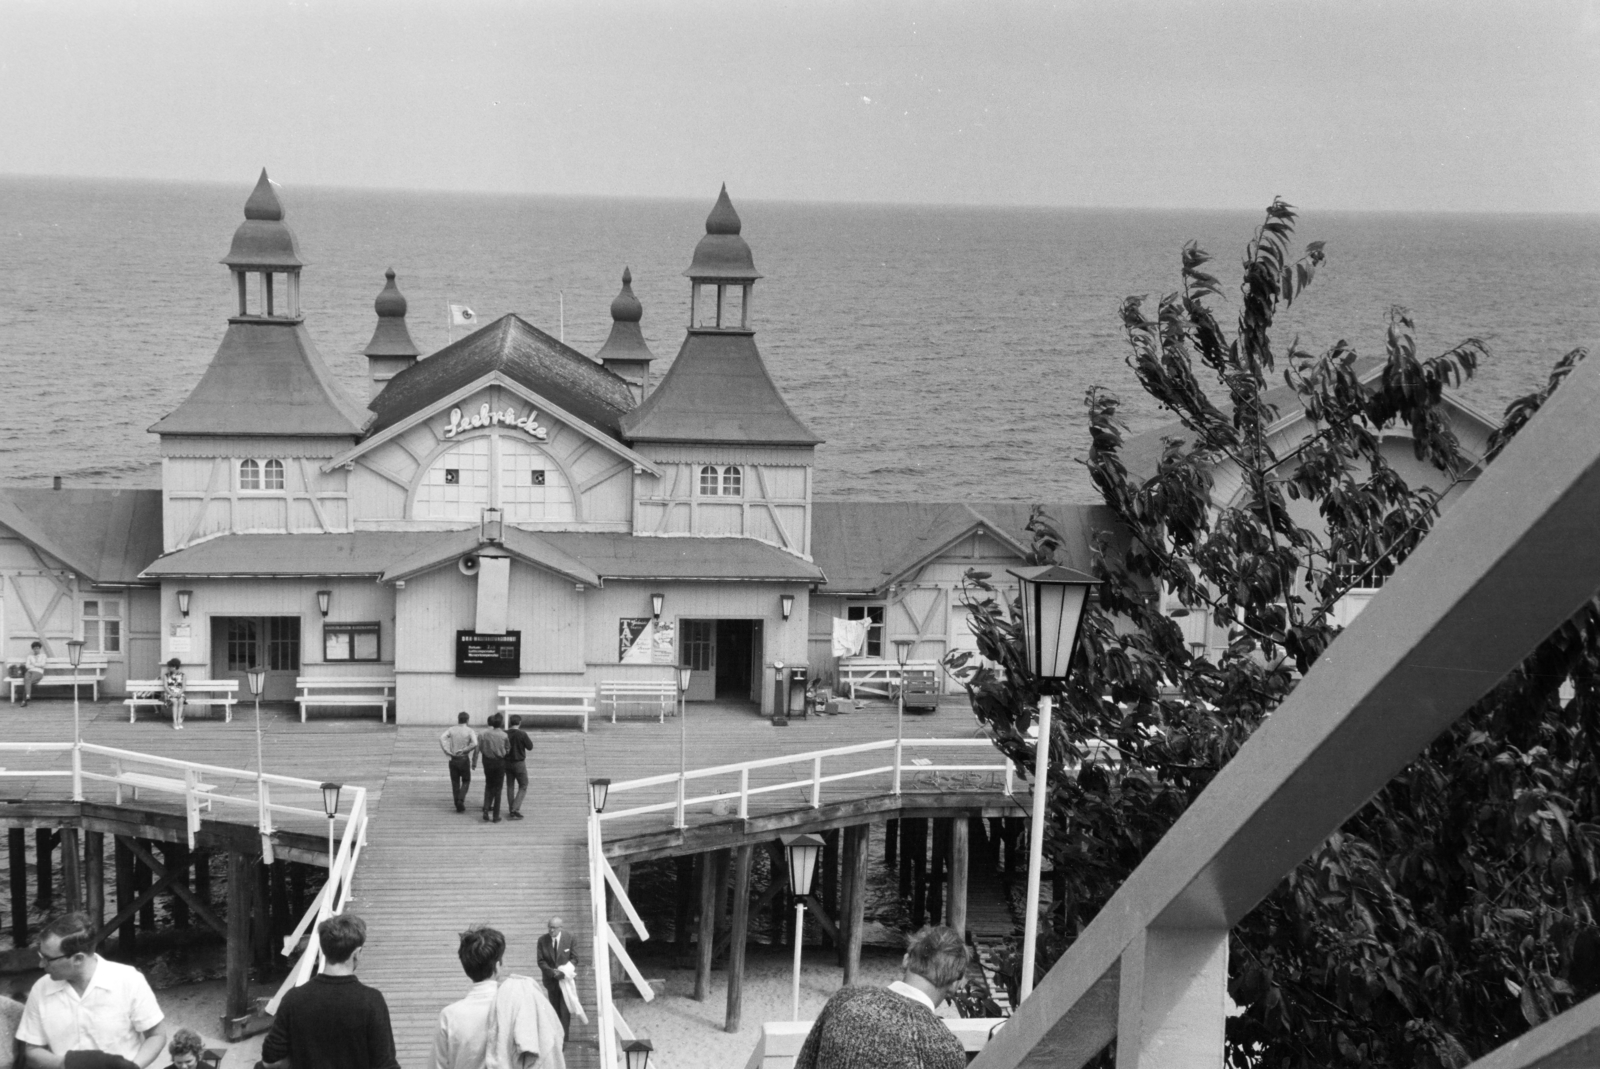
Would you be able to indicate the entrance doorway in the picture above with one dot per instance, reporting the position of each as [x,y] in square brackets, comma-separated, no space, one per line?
[239,643]
[724,659]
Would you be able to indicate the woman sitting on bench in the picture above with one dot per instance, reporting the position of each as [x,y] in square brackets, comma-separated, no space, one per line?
[32,671]
[172,680]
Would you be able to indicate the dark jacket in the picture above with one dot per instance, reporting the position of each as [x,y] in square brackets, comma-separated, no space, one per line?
[332,1022]
[875,1028]
[551,957]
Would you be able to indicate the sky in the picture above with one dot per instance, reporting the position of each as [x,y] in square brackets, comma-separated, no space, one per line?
[1458,106]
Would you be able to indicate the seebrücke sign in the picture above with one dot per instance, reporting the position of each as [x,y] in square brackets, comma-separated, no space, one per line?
[487,417]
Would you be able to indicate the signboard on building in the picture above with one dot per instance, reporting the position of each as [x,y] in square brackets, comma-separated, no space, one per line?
[489,656]
[642,640]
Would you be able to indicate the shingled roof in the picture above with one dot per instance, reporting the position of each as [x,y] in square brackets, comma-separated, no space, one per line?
[107,535]
[268,379]
[717,390]
[524,354]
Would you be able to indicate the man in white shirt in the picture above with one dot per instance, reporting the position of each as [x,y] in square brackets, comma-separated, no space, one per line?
[84,1002]
[462,1041]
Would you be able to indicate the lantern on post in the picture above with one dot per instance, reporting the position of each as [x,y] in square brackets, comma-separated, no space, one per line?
[75,658]
[902,655]
[1053,598]
[598,788]
[256,676]
[330,806]
[636,1053]
[802,851]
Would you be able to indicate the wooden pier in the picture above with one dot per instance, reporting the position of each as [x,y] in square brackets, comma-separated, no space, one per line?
[429,872]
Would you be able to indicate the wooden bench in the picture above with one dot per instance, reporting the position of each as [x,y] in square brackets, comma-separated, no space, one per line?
[58,672]
[880,678]
[341,690]
[137,781]
[528,702]
[196,693]
[660,695]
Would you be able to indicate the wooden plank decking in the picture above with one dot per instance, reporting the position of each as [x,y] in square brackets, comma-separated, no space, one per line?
[429,872]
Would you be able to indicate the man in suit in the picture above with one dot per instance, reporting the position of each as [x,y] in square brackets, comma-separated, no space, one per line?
[555,949]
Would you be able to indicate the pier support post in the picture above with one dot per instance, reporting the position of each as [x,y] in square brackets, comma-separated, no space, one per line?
[708,927]
[830,881]
[683,915]
[261,915]
[237,985]
[739,935]
[94,872]
[891,841]
[202,876]
[127,937]
[938,834]
[960,861]
[719,909]
[41,867]
[918,851]
[856,841]
[282,920]
[903,830]
[142,879]
[17,853]
[778,871]
[72,868]
[175,856]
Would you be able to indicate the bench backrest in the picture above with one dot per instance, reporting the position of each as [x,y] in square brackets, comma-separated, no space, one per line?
[61,664]
[548,694]
[344,681]
[640,687]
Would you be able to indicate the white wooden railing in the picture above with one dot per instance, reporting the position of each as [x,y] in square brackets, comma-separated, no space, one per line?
[814,776]
[250,790]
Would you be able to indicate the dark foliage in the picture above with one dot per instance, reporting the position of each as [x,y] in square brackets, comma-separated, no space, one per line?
[1455,909]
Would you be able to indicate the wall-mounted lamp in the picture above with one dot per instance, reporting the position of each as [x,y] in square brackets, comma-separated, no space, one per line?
[324,600]
[491,529]
[655,605]
[183,601]
[786,603]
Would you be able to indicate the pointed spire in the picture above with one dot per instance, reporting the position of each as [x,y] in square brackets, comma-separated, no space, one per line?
[625,307]
[722,220]
[625,352]
[264,202]
[391,302]
[392,337]
[722,255]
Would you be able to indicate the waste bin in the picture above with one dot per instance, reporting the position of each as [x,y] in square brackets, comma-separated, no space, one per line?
[798,674]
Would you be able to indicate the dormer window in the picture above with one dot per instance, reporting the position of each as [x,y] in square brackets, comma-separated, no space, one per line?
[260,475]
[721,482]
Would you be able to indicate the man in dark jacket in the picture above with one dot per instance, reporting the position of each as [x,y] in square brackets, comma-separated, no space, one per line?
[519,743]
[493,746]
[894,1027]
[555,949]
[334,1021]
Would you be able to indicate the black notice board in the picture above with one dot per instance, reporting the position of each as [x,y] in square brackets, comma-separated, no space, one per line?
[489,656]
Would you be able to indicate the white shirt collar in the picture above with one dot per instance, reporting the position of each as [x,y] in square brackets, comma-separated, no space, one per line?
[900,987]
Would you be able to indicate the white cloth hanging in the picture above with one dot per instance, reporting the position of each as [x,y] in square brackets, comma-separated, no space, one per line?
[569,990]
[849,637]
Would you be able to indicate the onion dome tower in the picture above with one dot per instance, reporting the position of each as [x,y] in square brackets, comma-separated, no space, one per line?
[267,380]
[391,349]
[625,351]
[718,390]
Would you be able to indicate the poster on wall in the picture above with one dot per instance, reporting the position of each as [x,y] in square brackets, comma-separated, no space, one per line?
[642,640]
[489,656]
[180,641]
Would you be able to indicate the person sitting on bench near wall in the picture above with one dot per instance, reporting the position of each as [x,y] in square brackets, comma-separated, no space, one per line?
[32,670]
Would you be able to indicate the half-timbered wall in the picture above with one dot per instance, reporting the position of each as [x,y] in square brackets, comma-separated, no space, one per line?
[425,478]
[925,606]
[751,492]
[259,490]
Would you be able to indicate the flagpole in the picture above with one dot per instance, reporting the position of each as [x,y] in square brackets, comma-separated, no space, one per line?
[449,322]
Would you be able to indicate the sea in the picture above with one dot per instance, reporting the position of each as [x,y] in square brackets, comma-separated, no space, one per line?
[942,352]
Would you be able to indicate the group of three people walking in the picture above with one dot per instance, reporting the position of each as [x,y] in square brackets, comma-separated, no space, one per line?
[504,756]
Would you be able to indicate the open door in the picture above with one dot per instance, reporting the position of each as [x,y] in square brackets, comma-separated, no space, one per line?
[697,651]
[273,642]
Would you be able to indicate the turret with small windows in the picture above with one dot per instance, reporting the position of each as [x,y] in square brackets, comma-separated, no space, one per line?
[264,249]
[391,349]
[625,351]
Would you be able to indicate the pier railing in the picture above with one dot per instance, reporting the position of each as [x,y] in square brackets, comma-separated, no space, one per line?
[240,796]
[730,787]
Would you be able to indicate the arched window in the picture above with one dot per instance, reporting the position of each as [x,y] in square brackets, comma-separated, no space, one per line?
[732,482]
[456,485]
[708,481]
[272,475]
[249,475]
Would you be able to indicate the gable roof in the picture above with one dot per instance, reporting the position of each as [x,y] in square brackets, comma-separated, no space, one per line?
[863,546]
[1141,453]
[107,535]
[717,390]
[266,379]
[522,545]
[522,353]
[618,555]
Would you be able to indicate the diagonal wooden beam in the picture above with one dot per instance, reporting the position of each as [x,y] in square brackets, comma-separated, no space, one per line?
[1568,1041]
[165,875]
[1512,561]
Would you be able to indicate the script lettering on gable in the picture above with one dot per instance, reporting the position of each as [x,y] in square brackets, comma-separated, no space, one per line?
[487,417]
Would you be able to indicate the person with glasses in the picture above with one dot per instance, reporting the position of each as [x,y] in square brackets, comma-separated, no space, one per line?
[86,1003]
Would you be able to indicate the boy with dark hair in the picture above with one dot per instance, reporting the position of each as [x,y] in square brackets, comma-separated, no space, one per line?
[334,1021]
[493,746]
[462,1041]
[460,745]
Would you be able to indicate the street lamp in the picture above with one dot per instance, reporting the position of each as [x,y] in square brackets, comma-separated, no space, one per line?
[1052,598]
[330,806]
[598,788]
[803,851]
[75,656]
[902,654]
[607,1039]
[683,737]
[256,676]
[636,1053]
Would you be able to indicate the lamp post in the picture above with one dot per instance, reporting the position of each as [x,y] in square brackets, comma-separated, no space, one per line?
[607,1039]
[1052,598]
[330,806]
[803,851]
[75,656]
[683,736]
[257,678]
[902,654]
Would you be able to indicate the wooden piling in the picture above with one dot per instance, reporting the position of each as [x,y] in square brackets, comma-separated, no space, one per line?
[720,906]
[917,850]
[142,879]
[778,870]
[683,915]
[856,840]
[94,873]
[202,875]
[708,927]
[830,879]
[127,936]
[960,861]
[891,840]
[282,922]
[739,935]
[938,828]
[905,859]
[175,856]
[237,985]
[17,853]
[261,915]
[42,843]
[72,868]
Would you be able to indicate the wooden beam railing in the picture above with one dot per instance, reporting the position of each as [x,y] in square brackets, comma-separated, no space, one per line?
[1508,564]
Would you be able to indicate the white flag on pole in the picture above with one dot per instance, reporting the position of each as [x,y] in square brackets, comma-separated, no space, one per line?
[462,316]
